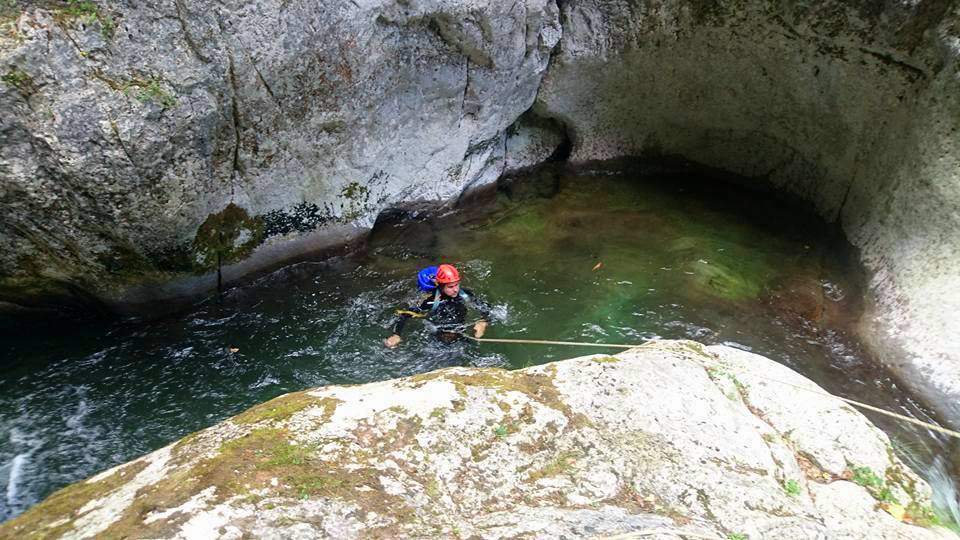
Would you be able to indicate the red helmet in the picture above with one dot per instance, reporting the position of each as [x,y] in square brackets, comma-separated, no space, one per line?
[447,274]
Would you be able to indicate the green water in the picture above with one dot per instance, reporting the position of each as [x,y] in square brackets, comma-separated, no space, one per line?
[596,257]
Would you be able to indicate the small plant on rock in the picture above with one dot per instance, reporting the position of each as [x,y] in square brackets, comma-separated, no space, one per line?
[792,487]
[20,80]
[865,477]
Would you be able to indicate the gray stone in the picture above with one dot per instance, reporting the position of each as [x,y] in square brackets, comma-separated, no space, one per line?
[851,107]
[116,148]
[126,129]
[597,446]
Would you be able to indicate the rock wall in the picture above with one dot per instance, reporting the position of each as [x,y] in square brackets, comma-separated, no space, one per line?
[152,141]
[145,145]
[592,447]
[851,106]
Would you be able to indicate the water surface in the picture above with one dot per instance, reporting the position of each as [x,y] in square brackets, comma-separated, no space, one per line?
[590,257]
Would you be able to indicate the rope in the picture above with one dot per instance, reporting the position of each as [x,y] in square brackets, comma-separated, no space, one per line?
[928,425]
[413,314]
[652,532]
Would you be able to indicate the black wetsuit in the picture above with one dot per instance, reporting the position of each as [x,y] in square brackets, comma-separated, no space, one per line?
[447,315]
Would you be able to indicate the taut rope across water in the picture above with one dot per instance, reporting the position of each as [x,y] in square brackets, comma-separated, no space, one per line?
[933,427]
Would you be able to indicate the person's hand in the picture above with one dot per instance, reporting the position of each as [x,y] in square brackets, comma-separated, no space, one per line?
[479,328]
[392,341]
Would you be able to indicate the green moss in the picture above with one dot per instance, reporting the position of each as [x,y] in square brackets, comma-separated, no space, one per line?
[9,11]
[433,488]
[355,191]
[719,373]
[290,454]
[63,507]
[561,464]
[143,89]
[88,13]
[538,387]
[792,488]
[150,90]
[20,80]
[83,10]
[226,237]
[865,477]
[606,360]
[284,407]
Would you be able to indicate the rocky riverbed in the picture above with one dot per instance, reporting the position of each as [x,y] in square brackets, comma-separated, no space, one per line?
[668,438]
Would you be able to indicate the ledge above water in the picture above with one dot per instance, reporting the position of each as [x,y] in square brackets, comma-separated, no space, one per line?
[671,436]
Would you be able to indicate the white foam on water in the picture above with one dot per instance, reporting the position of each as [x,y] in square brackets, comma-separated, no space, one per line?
[13,478]
[946,497]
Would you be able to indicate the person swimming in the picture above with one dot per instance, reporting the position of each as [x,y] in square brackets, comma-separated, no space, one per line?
[444,306]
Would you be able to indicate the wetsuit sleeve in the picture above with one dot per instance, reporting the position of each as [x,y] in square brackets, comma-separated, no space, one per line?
[478,304]
[422,307]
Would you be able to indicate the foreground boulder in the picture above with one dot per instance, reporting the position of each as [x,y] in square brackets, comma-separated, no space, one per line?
[666,438]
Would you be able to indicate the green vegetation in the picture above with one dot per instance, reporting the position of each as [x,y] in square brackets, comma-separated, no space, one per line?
[284,407]
[144,90]
[501,431]
[737,536]
[20,80]
[66,504]
[149,90]
[319,485]
[83,10]
[537,386]
[561,464]
[290,454]
[354,191]
[882,490]
[226,237]
[716,373]
[865,477]
[877,486]
[9,10]
[88,12]
[792,487]
[606,360]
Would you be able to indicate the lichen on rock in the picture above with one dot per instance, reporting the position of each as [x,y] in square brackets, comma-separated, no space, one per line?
[599,445]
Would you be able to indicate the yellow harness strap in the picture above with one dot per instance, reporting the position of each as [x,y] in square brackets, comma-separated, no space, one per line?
[411,313]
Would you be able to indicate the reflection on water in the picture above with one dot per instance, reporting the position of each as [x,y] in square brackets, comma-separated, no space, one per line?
[607,258]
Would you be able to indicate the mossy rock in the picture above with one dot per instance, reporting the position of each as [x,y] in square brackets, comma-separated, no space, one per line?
[719,280]
[226,237]
[20,80]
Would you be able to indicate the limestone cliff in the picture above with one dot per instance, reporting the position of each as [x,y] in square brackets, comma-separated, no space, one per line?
[149,149]
[146,142]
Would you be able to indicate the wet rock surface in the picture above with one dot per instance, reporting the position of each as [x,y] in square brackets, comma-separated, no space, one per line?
[129,128]
[849,106]
[595,446]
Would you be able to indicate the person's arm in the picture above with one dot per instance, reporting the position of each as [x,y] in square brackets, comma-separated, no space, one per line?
[403,315]
[479,327]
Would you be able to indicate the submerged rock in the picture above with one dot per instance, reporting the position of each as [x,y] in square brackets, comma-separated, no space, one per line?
[667,438]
